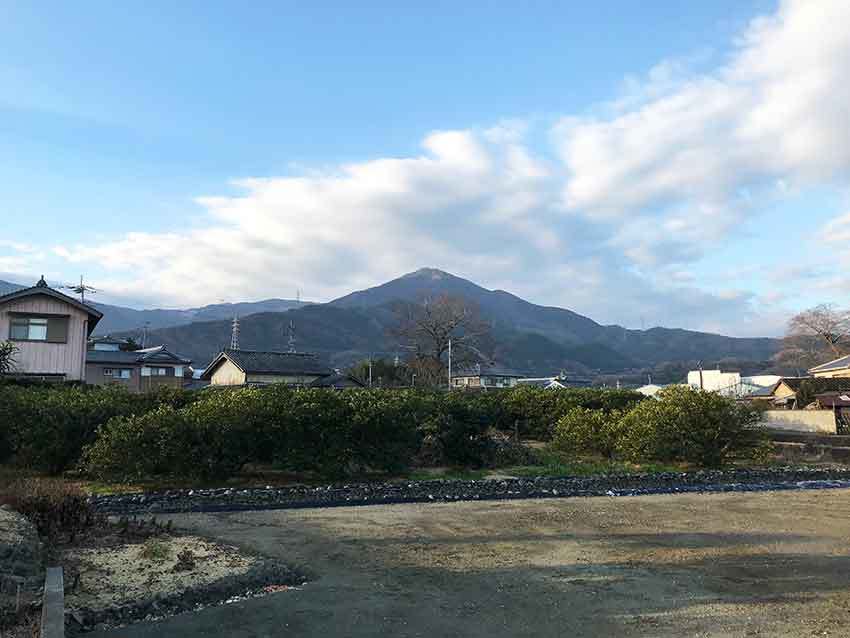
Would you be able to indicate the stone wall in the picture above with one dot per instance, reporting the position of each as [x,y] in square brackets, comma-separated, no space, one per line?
[20,548]
[822,421]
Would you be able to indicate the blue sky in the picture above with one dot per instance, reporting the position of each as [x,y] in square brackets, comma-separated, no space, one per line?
[636,162]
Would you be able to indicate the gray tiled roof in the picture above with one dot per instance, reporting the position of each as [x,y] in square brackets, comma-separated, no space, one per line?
[109,356]
[837,364]
[155,355]
[289,363]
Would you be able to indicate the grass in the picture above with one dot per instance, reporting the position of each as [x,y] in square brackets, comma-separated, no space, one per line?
[155,550]
[457,474]
[551,464]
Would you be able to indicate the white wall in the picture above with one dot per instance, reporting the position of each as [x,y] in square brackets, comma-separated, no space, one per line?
[822,421]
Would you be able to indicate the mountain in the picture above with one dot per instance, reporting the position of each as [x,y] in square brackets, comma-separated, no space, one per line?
[529,337]
[122,319]
[7,286]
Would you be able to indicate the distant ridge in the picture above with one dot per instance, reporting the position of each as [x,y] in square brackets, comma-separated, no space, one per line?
[529,337]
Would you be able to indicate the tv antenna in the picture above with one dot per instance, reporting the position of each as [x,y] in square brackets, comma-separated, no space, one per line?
[80,289]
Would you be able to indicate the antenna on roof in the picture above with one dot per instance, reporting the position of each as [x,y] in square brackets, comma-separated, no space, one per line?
[291,331]
[80,289]
[234,333]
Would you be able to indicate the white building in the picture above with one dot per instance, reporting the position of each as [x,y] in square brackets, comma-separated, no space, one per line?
[730,384]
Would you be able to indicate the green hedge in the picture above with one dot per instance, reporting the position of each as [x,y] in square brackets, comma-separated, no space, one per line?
[46,427]
[690,425]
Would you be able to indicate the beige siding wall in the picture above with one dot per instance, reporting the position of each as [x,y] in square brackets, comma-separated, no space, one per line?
[832,374]
[822,421]
[49,358]
[274,378]
[227,374]
[782,391]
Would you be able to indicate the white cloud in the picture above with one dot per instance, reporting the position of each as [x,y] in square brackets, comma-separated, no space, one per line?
[611,227]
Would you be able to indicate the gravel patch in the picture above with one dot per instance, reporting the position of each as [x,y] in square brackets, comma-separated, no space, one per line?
[117,585]
[228,499]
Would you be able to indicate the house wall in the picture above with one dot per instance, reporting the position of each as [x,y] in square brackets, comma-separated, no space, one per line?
[832,374]
[49,358]
[227,374]
[782,391]
[287,379]
[822,421]
[95,376]
[146,384]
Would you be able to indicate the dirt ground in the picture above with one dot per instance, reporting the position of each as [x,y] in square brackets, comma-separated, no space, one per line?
[756,564]
[117,575]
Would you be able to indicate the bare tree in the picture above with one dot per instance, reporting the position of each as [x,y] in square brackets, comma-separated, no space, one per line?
[815,335]
[8,350]
[425,329]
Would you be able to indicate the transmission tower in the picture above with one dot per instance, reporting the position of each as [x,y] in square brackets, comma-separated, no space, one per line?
[234,333]
[291,331]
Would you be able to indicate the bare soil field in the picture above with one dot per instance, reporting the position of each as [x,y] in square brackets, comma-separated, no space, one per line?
[712,565]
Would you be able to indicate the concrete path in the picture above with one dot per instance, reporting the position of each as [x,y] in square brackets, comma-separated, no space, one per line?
[762,564]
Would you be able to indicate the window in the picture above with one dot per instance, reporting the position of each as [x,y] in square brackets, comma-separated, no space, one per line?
[31,328]
[117,373]
[154,372]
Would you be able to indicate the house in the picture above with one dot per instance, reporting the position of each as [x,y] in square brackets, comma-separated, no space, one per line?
[137,370]
[544,383]
[252,367]
[337,381]
[650,389]
[839,367]
[730,384]
[489,376]
[49,330]
[787,391]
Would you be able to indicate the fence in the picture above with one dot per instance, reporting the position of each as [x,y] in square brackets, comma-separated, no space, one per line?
[821,421]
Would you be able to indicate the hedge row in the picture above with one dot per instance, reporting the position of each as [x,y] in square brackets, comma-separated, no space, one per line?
[212,432]
[683,424]
[46,426]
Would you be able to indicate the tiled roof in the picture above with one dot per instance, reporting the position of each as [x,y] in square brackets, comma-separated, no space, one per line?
[112,356]
[819,384]
[336,381]
[835,364]
[158,354]
[283,363]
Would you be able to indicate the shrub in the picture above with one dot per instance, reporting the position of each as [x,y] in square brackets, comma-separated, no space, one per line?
[459,424]
[690,425]
[48,426]
[535,411]
[384,432]
[585,431]
[54,507]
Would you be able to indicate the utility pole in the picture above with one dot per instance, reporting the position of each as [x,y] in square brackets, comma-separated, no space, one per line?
[699,365]
[450,363]
[370,370]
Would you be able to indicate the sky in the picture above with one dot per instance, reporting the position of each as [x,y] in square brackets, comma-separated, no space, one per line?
[640,163]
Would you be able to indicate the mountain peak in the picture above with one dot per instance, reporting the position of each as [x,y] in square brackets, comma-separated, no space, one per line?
[428,273]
